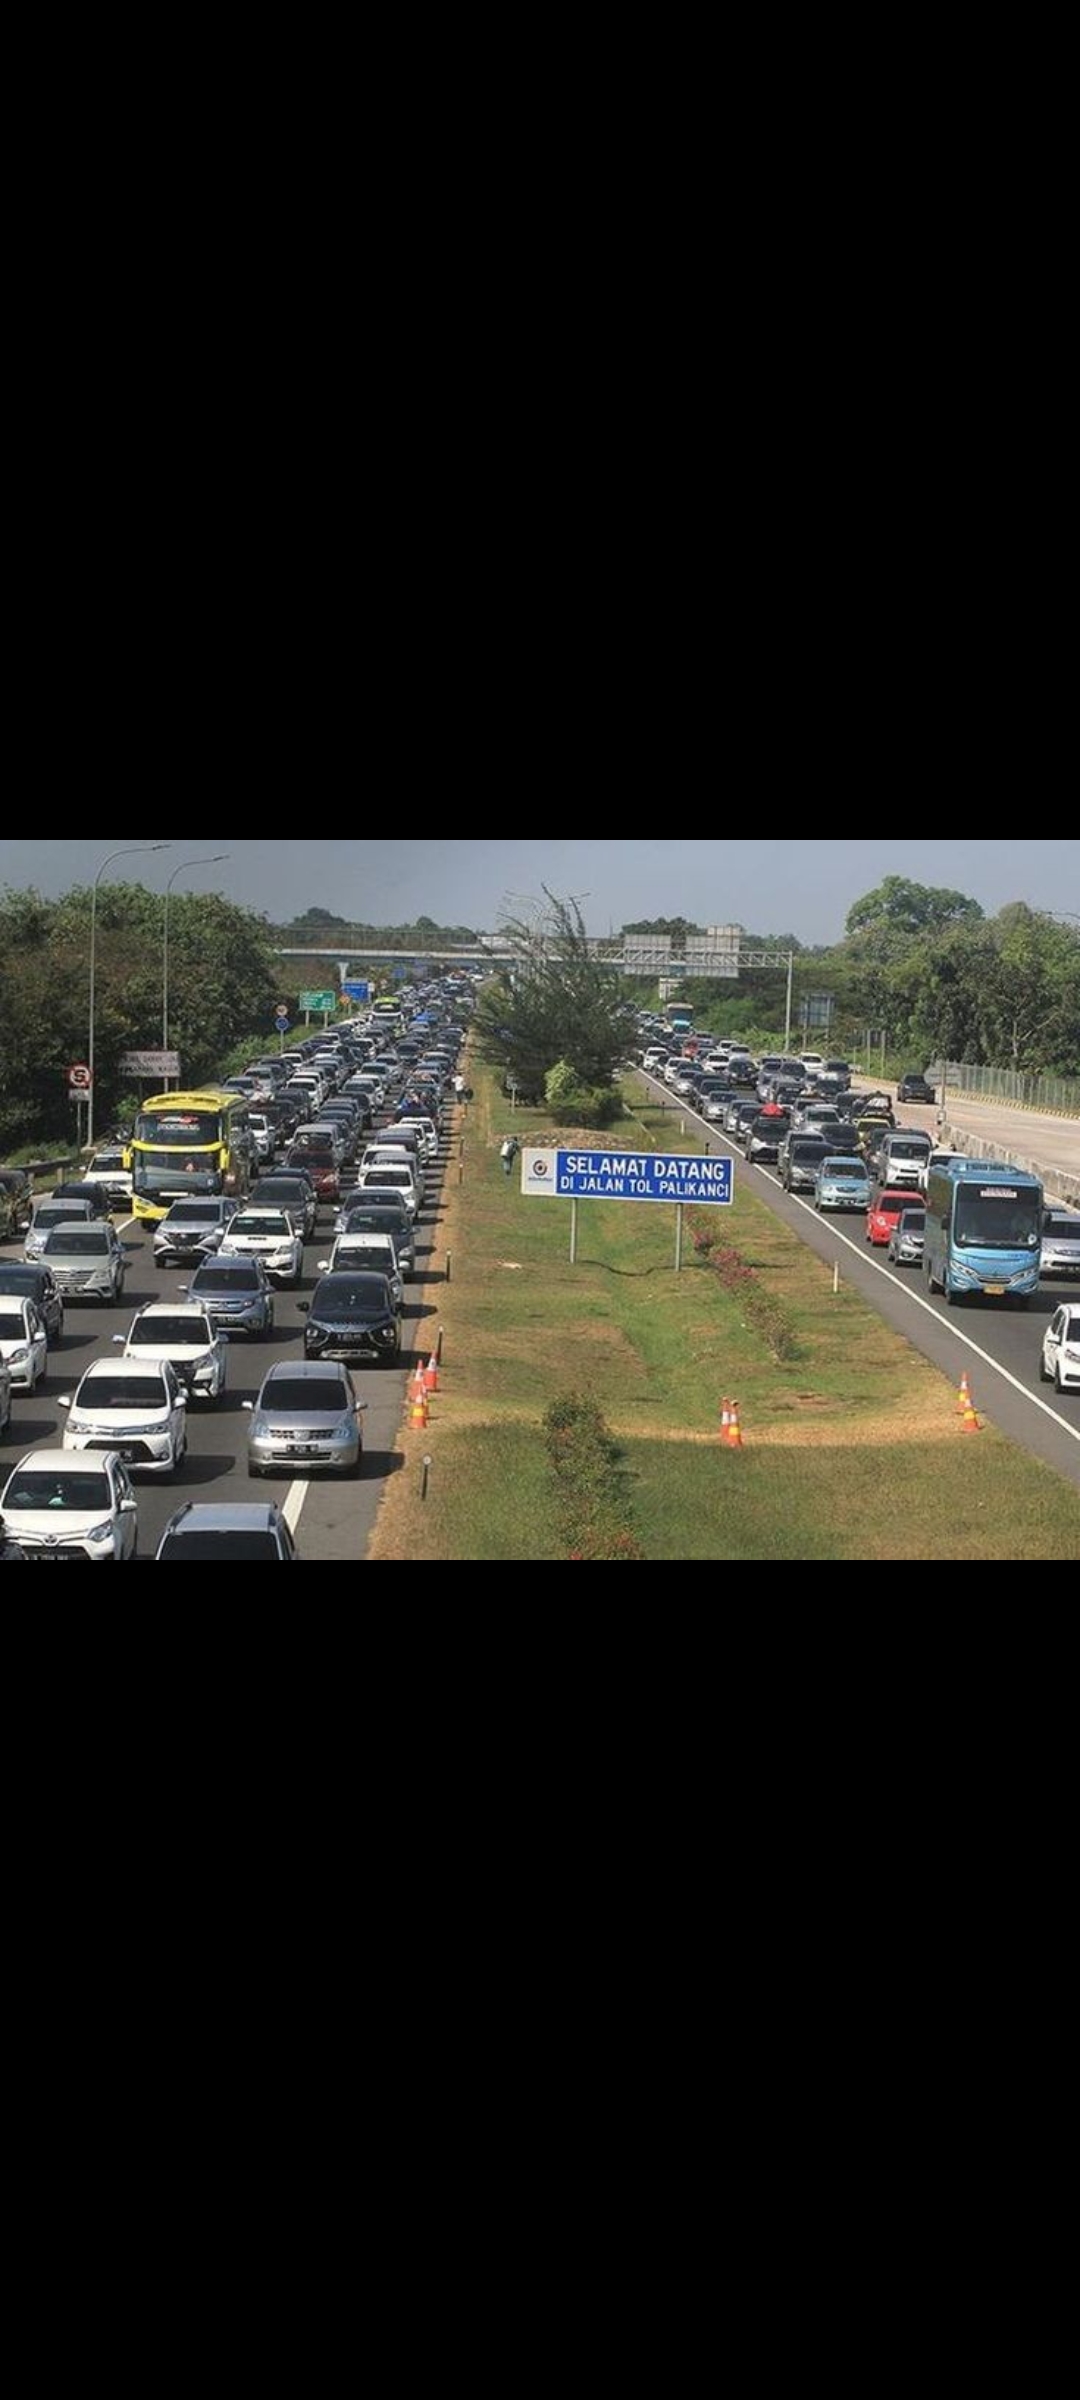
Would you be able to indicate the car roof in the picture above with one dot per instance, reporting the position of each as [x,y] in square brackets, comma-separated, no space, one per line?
[130,1367]
[169,1308]
[224,1516]
[310,1370]
[51,1462]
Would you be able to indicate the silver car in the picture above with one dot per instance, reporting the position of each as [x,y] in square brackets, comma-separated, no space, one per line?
[842,1183]
[48,1214]
[1060,1243]
[907,1241]
[87,1261]
[194,1229]
[307,1415]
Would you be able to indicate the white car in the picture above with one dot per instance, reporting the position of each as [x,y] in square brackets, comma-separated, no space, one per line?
[269,1234]
[389,1179]
[24,1345]
[137,1407]
[107,1168]
[1060,1361]
[186,1337]
[56,1506]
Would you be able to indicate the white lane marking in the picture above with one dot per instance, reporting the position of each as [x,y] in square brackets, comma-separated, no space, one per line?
[293,1506]
[915,1298]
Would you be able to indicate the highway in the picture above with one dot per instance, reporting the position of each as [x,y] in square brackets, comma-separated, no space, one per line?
[999,1348]
[331,1516]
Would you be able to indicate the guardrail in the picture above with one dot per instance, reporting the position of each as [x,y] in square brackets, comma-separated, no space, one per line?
[1053,1095]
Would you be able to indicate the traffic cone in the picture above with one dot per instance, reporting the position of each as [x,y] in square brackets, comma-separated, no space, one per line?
[965,1396]
[431,1374]
[969,1422]
[419,1413]
[734,1428]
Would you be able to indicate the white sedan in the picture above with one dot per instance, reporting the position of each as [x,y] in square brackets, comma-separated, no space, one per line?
[24,1345]
[1060,1361]
[269,1234]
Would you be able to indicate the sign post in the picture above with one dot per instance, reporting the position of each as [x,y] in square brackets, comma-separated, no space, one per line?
[679,1181]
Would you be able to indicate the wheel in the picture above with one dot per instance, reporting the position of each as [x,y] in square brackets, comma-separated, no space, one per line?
[1060,1385]
[1043,1376]
[951,1298]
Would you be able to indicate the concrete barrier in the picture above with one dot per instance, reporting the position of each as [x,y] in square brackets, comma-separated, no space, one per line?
[1056,1184]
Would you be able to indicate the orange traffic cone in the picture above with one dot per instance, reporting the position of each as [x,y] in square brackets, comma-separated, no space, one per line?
[734,1428]
[969,1422]
[419,1412]
[431,1374]
[965,1396]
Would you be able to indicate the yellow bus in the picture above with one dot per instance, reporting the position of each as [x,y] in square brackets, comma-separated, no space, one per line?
[188,1142]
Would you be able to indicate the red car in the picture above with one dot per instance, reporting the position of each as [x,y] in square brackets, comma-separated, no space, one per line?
[319,1162]
[884,1214]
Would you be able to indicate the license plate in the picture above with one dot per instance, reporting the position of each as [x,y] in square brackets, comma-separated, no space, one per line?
[302,1450]
[995,1291]
[50,1554]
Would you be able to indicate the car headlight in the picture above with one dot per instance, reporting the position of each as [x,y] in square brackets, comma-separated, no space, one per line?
[18,1358]
[260,1429]
[344,1432]
[101,1533]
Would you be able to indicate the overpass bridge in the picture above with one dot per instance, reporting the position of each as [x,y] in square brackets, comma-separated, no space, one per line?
[720,952]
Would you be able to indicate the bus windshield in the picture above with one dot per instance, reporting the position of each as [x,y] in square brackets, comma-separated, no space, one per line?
[997,1217]
[189,1128]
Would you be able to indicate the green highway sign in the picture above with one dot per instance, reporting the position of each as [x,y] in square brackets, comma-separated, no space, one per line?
[322,1000]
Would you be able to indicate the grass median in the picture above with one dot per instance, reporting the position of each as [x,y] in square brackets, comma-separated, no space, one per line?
[843,1438]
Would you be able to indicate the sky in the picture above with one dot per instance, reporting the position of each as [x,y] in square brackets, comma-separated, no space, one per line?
[799,887]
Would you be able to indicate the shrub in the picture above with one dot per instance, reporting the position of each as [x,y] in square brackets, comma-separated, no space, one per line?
[589,1494]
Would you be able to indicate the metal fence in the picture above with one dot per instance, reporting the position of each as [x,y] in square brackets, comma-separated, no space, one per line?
[1056,1095]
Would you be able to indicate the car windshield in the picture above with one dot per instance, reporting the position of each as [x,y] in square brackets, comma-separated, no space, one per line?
[845,1166]
[72,1242]
[57,1212]
[107,1162]
[223,1544]
[997,1218]
[222,1279]
[913,1220]
[78,1490]
[351,1296]
[301,1395]
[122,1391]
[192,1212]
[158,1333]
[11,1318]
[276,1229]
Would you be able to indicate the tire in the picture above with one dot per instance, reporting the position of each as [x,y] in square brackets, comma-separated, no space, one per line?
[1060,1385]
[1043,1376]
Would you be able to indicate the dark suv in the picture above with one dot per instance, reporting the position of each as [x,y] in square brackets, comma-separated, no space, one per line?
[16,1202]
[916,1091]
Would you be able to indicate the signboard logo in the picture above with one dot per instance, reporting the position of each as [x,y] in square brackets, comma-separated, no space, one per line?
[79,1079]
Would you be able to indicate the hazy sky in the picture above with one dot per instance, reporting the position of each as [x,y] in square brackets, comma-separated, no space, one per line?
[801,887]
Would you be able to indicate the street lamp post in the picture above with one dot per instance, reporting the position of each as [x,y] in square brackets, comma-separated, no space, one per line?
[218,860]
[136,850]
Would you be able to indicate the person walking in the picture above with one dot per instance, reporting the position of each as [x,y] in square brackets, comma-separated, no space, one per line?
[509,1152]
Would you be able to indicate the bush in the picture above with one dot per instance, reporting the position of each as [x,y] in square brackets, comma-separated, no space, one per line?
[589,1485]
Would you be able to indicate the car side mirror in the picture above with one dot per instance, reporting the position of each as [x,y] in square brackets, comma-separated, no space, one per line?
[303,1308]
[323,1266]
[249,1406]
[66,1401]
[119,1340]
[128,1507]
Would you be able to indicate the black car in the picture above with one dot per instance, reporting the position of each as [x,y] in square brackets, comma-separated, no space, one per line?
[352,1316]
[16,1202]
[916,1090]
[291,1190]
[37,1283]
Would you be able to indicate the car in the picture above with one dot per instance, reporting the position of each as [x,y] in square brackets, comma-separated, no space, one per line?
[381,1212]
[398,1179]
[5,1395]
[107,1168]
[884,1213]
[1060,1254]
[353,1315]
[914,1091]
[58,1507]
[16,1202]
[294,1192]
[137,1407]
[307,1415]
[193,1229]
[185,1336]
[94,1194]
[231,1529]
[902,1157]
[939,1160]
[1060,1360]
[319,1159]
[36,1283]
[24,1345]
[842,1182]
[87,1261]
[802,1156]
[907,1241]
[269,1234]
[236,1294]
[47,1215]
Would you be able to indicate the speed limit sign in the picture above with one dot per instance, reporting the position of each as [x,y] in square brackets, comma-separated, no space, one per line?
[79,1079]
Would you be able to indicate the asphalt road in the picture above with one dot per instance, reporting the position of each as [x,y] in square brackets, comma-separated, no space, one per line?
[998,1348]
[1052,1144]
[331,1516]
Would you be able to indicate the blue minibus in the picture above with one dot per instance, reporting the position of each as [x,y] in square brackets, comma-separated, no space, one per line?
[983,1232]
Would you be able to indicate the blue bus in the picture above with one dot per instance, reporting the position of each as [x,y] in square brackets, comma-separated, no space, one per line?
[983,1232]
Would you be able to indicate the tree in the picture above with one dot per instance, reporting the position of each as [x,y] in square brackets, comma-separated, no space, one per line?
[556,1004]
[902,907]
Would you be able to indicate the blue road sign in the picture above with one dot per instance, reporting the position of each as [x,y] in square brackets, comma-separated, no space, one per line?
[627,1175]
[357,991]
[282,1019]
